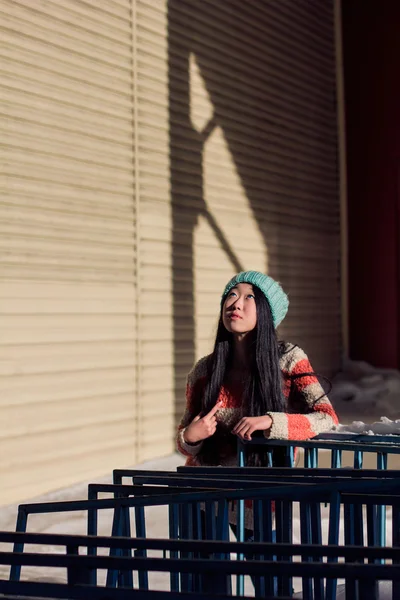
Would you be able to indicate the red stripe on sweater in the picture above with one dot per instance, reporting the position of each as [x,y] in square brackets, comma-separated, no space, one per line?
[303,366]
[327,409]
[299,427]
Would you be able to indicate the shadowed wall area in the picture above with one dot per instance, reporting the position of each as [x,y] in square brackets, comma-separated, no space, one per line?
[253,151]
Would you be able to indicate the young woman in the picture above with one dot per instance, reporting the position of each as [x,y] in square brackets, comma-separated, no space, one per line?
[250,385]
[251,382]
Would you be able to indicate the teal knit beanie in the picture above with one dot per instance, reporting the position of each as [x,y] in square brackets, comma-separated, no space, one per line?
[277,299]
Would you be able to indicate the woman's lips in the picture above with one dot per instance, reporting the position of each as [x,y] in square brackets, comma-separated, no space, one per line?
[234,316]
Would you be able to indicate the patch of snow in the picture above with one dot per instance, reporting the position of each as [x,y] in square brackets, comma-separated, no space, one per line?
[384,426]
[363,390]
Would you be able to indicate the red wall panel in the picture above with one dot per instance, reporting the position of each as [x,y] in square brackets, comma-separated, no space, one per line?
[371,38]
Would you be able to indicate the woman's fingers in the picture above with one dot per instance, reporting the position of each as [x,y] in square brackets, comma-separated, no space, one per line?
[240,426]
[249,433]
[211,427]
[244,429]
[212,412]
[245,433]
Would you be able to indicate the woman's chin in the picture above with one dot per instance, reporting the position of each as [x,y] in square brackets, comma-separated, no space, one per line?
[234,327]
[238,331]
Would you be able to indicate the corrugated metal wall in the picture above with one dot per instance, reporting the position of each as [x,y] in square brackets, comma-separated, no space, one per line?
[67,223]
[151,149]
[156,394]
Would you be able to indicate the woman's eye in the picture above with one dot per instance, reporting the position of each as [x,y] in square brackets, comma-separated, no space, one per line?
[231,294]
[250,296]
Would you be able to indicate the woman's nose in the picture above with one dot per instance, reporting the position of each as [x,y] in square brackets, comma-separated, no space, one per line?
[238,303]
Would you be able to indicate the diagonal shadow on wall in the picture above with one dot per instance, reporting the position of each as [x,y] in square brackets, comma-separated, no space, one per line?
[264,147]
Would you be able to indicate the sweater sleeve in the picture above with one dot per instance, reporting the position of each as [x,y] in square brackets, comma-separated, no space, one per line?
[311,413]
[194,387]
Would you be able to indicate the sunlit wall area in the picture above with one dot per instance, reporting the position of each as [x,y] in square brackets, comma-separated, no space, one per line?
[68,227]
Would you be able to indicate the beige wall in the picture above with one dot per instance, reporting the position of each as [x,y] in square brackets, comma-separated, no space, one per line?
[150,149]
[68,400]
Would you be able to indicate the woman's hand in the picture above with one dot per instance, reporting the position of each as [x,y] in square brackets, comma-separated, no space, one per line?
[249,425]
[202,427]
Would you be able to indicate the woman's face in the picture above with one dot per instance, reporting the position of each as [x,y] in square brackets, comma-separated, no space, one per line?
[239,312]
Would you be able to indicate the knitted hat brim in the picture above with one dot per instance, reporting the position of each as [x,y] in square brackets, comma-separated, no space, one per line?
[272,290]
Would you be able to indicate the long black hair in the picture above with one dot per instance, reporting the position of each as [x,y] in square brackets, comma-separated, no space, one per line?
[262,386]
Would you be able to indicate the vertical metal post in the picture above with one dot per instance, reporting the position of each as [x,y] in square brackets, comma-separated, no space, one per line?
[333,540]
[358,459]
[240,514]
[92,530]
[173,516]
[305,536]
[22,520]
[396,543]
[140,523]
[336,459]
[112,574]
[240,537]
[382,460]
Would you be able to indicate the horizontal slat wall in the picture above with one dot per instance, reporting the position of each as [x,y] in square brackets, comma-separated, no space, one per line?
[152,149]
[254,183]
[67,244]
[156,398]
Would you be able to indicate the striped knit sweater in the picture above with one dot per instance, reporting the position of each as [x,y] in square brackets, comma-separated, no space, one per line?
[309,411]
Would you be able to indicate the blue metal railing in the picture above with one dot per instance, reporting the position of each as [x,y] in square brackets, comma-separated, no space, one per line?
[184,509]
[382,446]
[310,512]
[197,500]
[359,576]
